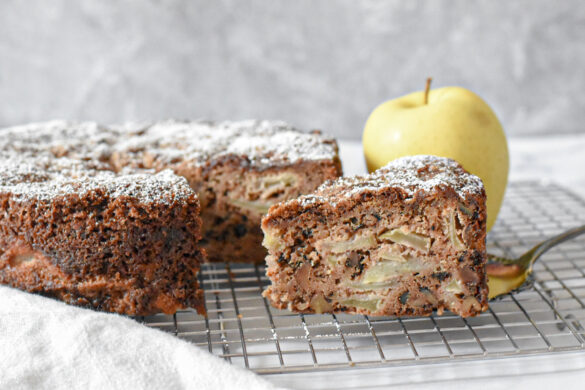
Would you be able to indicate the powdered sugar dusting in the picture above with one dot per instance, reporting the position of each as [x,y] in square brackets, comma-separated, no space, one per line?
[411,174]
[46,160]
[85,140]
[261,144]
[46,178]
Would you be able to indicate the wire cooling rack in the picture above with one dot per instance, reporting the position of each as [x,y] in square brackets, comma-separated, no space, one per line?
[547,318]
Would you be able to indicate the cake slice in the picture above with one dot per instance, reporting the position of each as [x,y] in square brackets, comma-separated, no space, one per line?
[125,243]
[406,240]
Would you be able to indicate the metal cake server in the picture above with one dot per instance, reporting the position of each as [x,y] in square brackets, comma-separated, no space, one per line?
[506,275]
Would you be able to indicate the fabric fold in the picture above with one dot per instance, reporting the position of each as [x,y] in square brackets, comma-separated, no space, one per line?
[45,344]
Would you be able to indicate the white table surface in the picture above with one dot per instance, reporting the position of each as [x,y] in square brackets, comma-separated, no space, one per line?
[559,159]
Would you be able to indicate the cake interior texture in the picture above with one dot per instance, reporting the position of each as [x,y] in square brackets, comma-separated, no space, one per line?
[407,240]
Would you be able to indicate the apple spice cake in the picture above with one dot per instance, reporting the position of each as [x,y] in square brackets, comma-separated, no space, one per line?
[238,169]
[70,230]
[406,240]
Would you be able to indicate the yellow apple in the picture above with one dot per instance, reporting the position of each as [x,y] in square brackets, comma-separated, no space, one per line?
[448,122]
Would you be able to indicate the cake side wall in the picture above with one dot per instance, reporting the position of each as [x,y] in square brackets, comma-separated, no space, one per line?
[110,254]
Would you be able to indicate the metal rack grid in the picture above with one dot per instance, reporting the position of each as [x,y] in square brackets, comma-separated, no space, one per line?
[549,317]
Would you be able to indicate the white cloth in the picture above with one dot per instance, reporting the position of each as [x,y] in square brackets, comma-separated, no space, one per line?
[46,344]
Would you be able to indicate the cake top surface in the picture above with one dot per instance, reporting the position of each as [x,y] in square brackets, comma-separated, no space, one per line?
[262,143]
[47,178]
[411,174]
[48,159]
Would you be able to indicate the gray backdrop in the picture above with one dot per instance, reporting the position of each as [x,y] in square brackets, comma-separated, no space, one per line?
[314,63]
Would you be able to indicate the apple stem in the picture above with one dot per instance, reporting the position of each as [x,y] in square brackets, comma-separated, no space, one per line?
[427,89]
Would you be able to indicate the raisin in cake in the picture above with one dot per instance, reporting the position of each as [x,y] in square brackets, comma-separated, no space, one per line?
[405,240]
[78,232]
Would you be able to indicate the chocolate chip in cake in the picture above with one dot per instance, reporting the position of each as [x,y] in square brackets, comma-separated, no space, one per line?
[218,221]
[282,259]
[477,258]
[355,225]
[441,275]
[352,260]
